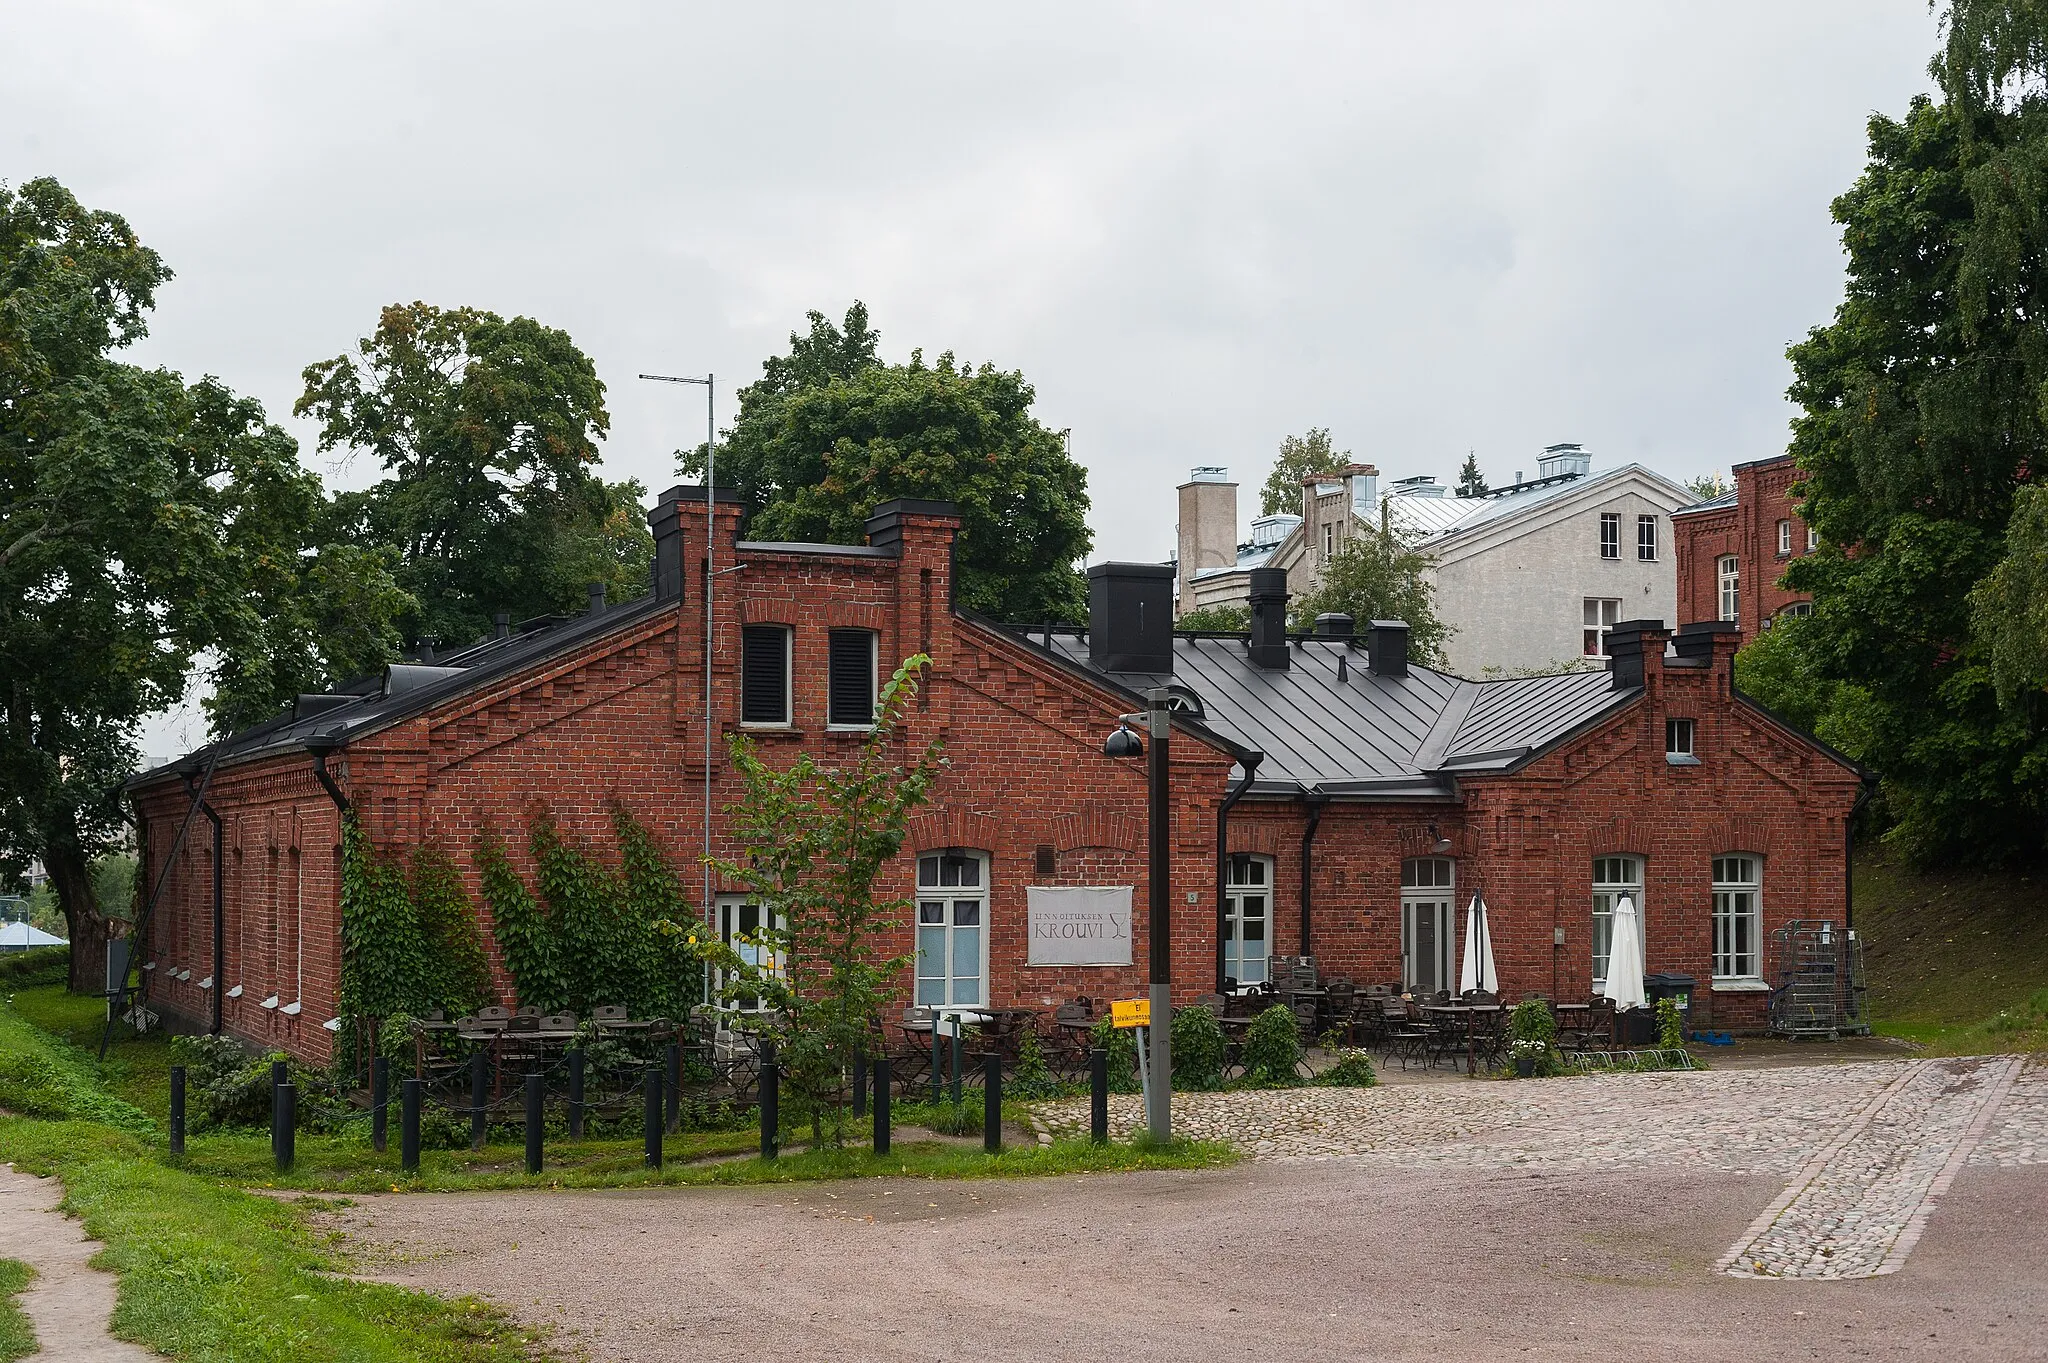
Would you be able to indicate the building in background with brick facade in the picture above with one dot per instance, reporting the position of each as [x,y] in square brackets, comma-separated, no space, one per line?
[1329,798]
[1733,550]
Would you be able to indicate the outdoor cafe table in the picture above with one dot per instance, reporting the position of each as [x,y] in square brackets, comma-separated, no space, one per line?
[1468,1013]
[495,1036]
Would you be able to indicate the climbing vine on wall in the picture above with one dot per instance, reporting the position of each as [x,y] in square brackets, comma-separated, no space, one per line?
[525,936]
[383,956]
[456,977]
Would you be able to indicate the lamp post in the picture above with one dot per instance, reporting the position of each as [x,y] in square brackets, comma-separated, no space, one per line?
[1159,932]
[709,384]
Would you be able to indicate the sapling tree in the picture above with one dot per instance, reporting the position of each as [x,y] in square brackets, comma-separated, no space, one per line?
[811,843]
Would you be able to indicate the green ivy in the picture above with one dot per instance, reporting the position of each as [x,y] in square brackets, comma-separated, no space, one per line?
[457,977]
[525,936]
[671,977]
[383,953]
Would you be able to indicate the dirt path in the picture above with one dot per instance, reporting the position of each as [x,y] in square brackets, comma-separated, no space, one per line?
[69,1300]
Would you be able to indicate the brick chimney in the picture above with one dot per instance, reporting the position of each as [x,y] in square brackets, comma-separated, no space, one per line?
[1208,528]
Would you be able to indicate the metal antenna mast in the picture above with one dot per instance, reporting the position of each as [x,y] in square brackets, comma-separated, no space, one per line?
[710,387]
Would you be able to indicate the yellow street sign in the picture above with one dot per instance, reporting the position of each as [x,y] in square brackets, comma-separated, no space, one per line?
[1131,1012]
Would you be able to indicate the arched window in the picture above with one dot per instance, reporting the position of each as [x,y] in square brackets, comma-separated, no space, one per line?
[1729,572]
[1613,877]
[1738,915]
[1248,919]
[1428,923]
[952,923]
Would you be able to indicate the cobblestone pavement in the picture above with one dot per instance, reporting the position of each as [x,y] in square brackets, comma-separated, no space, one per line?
[1867,1148]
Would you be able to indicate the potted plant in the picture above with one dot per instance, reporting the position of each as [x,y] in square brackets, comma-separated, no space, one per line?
[1531,1030]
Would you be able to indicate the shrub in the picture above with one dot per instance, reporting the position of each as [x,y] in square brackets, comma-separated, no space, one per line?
[1199,1047]
[1032,1078]
[1352,1070]
[37,965]
[41,1076]
[1532,1020]
[1670,1025]
[1122,1045]
[1272,1048]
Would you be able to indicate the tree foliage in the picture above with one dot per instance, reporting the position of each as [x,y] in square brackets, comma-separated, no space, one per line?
[1379,576]
[146,525]
[1222,619]
[1707,486]
[1299,456]
[1471,482]
[830,431]
[812,842]
[1924,425]
[487,431]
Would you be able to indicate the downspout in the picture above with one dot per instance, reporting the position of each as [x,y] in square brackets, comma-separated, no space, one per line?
[1315,800]
[320,746]
[220,930]
[1250,763]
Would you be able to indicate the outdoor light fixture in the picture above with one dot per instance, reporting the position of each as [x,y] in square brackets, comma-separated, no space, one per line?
[236,992]
[1442,846]
[291,1009]
[332,1024]
[1123,743]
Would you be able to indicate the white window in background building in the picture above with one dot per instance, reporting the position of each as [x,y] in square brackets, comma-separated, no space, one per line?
[1598,614]
[952,937]
[1429,911]
[1729,571]
[1613,877]
[1797,610]
[764,674]
[1329,539]
[1248,919]
[1646,539]
[1784,538]
[1610,534]
[1812,539]
[1738,909]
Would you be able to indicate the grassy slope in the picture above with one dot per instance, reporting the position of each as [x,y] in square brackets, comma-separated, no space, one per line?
[17,1332]
[1945,952]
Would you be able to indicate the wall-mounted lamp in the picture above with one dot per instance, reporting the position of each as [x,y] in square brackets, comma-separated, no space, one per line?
[1440,846]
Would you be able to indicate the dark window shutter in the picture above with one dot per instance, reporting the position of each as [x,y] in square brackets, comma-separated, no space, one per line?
[764,679]
[852,684]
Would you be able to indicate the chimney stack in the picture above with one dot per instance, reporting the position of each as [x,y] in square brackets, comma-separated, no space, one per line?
[1386,648]
[501,625]
[1208,527]
[1334,625]
[597,598]
[1130,617]
[1269,617]
[1629,646]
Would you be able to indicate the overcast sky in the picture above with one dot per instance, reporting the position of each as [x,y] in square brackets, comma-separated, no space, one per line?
[1194,228]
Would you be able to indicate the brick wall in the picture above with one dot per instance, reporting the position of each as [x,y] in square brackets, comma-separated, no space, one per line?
[1748,530]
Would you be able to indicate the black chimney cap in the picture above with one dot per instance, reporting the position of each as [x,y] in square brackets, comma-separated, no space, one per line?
[1386,648]
[1334,625]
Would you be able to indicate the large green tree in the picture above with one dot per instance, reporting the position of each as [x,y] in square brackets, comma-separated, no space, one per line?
[1379,576]
[1299,456]
[1924,414]
[830,431]
[487,432]
[149,529]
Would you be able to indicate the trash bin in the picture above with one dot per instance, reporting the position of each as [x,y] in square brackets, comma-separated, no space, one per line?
[1635,1029]
[1677,988]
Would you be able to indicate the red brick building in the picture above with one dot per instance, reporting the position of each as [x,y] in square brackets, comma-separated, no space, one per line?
[1732,550]
[1329,799]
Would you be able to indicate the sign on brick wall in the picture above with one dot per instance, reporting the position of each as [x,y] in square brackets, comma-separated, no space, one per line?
[1080,925]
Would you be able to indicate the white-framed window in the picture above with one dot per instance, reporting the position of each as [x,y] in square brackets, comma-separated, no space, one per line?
[740,920]
[850,679]
[1678,738]
[764,674]
[1646,539]
[1812,539]
[1610,534]
[1599,615]
[1613,877]
[1738,913]
[1797,610]
[1728,572]
[1329,539]
[952,927]
[1248,919]
[1784,538]
[1429,920]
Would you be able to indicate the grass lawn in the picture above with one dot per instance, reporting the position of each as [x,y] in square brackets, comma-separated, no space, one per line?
[1956,960]
[17,1334]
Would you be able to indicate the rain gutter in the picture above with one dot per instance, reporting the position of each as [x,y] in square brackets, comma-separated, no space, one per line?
[1316,800]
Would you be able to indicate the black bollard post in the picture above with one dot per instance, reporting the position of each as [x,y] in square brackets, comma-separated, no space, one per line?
[881,1104]
[409,1124]
[938,1060]
[535,1096]
[479,1098]
[284,1123]
[771,1102]
[280,1073]
[956,1069]
[177,1109]
[651,1118]
[672,1066]
[1098,1096]
[380,1103]
[860,1086]
[576,1094]
[992,1103]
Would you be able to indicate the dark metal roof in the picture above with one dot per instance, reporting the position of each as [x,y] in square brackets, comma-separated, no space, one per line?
[1363,736]
[404,689]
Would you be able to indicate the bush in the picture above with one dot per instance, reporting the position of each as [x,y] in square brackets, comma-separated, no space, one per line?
[1199,1047]
[41,1076]
[37,965]
[227,1085]
[1352,1070]
[1532,1020]
[1122,1045]
[1272,1049]
[1032,1078]
[1670,1025]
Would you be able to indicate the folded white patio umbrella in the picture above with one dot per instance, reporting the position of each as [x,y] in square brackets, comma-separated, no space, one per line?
[1477,971]
[1625,958]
